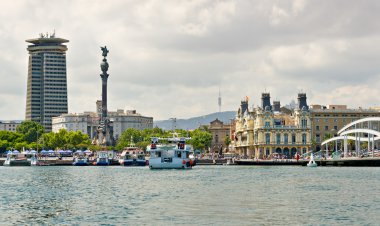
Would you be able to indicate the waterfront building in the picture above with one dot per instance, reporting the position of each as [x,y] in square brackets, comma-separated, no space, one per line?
[47,83]
[328,120]
[269,129]
[219,132]
[88,122]
[9,125]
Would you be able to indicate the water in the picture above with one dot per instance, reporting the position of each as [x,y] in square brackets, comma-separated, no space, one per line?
[205,195]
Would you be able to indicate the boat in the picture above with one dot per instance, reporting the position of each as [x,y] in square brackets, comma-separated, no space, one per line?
[102,159]
[312,163]
[80,159]
[132,156]
[173,155]
[20,159]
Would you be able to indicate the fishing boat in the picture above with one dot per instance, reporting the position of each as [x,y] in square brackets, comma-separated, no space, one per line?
[102,159]
[173,155]
[20,159]
[132,156]
[80,159]
[312,163]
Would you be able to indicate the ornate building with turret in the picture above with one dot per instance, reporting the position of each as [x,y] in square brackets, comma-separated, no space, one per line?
[269,130]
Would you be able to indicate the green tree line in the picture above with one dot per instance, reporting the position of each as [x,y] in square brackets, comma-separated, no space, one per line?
[31,135]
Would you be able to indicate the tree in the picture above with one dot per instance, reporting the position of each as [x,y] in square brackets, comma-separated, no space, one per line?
[8,140]
[30,130]
[200,139]
[130,135]
[4,145]
[227,142]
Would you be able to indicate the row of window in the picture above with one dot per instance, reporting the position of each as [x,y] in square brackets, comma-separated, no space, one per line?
[326,128]
[55,84]
[278,138]
[56,65]
[56,72]
[55,88]
[49,92]
[55,76]
[56,100]
[55,57]
[55,69]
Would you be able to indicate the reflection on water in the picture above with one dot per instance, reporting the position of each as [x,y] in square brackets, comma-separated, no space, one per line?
[217,195]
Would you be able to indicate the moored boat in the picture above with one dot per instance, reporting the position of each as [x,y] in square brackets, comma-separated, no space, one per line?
[132,156]
[102,159]
[80,159]
[20,159]
[174,155]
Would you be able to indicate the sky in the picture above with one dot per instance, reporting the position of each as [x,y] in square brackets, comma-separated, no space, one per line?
[169,59]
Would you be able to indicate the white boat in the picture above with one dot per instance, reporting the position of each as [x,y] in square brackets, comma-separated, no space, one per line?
[102,159]
[174,155]
[312,163]
[132,156]
[80,159]
[20,159]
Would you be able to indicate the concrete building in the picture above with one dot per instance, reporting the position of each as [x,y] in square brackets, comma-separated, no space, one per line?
[266,130]
[88,122]
[9,125]
[47,83]
[328,120]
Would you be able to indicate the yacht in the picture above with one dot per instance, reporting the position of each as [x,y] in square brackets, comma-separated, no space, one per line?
[173,155]
[132,156]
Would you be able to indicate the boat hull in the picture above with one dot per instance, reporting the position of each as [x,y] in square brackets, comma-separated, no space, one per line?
[102,163]
[158,164]
[134,163]
[17,163]
[80,163]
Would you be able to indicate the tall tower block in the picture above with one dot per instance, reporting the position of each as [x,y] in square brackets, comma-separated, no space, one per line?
[46,94]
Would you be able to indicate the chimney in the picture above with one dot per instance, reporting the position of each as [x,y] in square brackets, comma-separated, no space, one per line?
[276,106]
[302,101]
[244,106]
[265,101]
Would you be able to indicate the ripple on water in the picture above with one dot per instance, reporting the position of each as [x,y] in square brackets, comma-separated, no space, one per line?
[206,195]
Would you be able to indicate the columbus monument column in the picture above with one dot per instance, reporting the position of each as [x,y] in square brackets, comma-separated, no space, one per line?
[104,135]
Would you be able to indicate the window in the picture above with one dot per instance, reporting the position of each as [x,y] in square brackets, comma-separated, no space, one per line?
[318,138]
[267,124]
[293,138]
[317,128]
[336,127]
[303,123]
[267,138]
[285,138]
[278,138]
[326,128]
[304,138]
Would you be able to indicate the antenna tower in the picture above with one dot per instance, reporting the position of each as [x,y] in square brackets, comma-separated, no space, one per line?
[220,102]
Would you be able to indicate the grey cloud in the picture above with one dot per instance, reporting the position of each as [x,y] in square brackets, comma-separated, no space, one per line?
[178,53]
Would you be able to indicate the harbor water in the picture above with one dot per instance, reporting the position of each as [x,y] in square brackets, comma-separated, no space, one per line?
[205,195]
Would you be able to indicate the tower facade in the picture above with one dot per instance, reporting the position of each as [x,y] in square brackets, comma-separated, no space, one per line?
[47,80]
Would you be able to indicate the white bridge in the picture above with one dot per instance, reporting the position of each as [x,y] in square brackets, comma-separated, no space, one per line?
[353,128]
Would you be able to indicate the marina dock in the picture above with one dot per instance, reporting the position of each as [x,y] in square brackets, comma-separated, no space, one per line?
[348,162]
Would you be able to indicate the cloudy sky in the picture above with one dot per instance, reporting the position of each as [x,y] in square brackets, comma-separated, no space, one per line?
[170,58]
